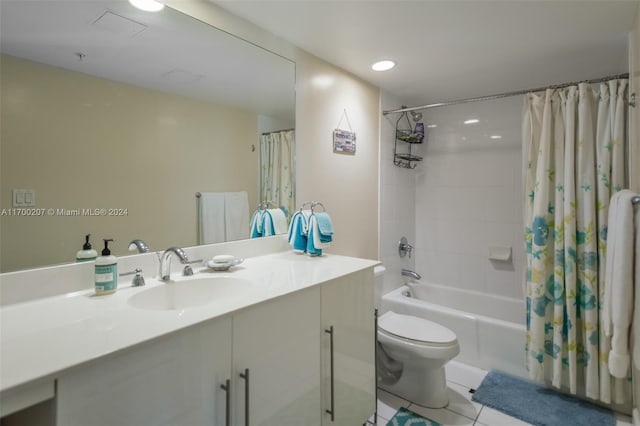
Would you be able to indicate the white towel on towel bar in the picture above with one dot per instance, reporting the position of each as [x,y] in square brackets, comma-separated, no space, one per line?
[636,313]
[236,215]
[618,299]
[211,218]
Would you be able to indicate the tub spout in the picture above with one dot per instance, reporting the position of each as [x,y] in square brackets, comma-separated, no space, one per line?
[411,274]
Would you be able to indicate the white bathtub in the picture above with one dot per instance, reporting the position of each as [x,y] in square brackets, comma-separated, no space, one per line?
[490,329]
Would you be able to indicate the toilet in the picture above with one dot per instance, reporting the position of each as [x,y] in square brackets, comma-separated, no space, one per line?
[411,356]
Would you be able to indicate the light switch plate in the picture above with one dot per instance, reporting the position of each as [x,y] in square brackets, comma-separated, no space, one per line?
[24,198]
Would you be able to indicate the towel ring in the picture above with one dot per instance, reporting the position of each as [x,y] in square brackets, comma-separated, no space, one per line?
[307,203]
[317,203]
[265,204]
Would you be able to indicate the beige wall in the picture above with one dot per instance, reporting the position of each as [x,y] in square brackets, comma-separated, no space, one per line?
[73,137]
[346,185]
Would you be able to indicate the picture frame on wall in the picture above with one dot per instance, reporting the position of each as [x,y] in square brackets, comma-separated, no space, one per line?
[344,141]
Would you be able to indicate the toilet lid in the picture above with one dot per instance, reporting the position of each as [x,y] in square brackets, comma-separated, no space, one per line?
[414,328]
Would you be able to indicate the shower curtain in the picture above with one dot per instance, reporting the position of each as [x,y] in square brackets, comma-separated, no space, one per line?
[574,161]
[276,169]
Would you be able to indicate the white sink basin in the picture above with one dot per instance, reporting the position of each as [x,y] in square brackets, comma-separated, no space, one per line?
[178,295]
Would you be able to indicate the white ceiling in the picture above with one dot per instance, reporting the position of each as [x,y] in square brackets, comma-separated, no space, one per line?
[454,49]
[165,51]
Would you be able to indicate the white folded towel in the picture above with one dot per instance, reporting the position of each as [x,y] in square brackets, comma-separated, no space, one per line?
[618,299]
[211,218]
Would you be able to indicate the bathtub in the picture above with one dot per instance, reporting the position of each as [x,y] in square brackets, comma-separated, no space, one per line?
[490,329]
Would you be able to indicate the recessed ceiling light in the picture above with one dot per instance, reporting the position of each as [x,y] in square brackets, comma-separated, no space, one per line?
[472,121]
[432,126]
[383,65]
[495,137]
[147,5]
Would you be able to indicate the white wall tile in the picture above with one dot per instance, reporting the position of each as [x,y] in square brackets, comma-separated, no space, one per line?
[472,273]
[468,196]
[397,201]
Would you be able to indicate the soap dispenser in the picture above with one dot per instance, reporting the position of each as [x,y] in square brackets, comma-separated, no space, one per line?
[87,253]
[106,268]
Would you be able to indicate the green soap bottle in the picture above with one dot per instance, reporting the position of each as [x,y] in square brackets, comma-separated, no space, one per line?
[106,269]
[87,253]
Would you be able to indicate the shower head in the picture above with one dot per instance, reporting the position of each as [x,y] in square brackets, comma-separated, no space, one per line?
[416,115]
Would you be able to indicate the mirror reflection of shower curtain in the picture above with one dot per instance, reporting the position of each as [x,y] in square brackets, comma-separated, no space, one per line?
[276,169]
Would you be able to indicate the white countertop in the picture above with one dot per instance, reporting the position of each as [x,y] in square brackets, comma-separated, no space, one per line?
[42,338]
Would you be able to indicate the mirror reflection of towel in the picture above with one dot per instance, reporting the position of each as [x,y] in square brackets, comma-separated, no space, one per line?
[211,218]
[274,222]
[223,216]
[236,215]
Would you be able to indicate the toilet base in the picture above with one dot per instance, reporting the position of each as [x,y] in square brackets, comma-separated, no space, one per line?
[421,386]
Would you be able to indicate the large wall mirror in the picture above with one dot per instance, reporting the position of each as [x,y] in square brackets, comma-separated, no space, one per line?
[113,119]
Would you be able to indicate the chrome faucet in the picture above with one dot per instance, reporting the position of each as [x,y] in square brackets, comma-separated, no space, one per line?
[140,245]
[411,274]
[165,263]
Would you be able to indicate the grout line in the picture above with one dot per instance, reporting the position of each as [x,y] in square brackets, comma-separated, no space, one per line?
[478,416]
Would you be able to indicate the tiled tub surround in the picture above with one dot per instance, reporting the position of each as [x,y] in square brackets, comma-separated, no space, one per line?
[469,196]
[45,336]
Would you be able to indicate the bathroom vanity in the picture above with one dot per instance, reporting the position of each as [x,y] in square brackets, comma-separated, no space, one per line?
[283,339]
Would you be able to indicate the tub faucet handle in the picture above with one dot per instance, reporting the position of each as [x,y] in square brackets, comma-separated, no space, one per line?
[404,247]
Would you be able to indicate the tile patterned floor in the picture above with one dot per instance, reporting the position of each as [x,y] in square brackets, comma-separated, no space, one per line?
[461,411]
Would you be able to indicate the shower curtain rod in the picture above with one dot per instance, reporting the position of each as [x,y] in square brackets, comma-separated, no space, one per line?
[277,131]
[504,95]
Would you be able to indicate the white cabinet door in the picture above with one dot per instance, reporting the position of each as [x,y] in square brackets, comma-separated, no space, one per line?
[174,380]
[278,344]
[348,310]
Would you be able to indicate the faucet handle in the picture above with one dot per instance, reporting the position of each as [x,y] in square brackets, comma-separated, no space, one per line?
[187,271]
[404,247]
[138,280]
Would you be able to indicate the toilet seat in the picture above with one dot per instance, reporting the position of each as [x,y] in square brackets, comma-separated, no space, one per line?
[414,329]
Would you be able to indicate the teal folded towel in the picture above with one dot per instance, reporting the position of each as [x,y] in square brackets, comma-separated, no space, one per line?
[325,227]
[312,248]
[256,225]
[297,232]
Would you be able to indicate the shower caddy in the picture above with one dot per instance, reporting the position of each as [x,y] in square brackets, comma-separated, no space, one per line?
[409,136]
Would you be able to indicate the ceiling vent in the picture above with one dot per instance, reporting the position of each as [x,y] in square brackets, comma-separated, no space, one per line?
[119,24]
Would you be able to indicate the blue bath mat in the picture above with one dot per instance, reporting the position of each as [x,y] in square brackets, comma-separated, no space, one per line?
[537,404]
[405,417]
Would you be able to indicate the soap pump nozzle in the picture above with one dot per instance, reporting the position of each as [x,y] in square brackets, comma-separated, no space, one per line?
[87,244]
[105,250]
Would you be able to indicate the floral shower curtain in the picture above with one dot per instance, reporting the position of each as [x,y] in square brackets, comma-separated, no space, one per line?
[276,169]
[574,161]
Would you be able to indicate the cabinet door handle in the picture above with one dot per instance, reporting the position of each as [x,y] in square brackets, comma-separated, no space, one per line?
[227,402]
[332,383]
[245,376]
